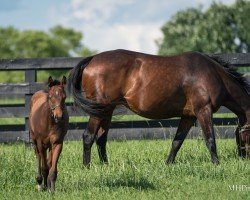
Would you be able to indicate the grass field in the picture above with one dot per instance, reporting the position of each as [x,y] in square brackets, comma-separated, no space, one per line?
[136,171]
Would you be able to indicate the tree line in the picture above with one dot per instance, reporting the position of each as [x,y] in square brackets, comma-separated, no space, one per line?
[56,42]
[217,29]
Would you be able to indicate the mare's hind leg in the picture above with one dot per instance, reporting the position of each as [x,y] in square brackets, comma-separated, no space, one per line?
[96,127]
[204,116]
[184,126]
[88,139]
[101,139]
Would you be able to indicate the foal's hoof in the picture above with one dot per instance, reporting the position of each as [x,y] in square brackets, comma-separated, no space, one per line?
[39,187]
[52,191]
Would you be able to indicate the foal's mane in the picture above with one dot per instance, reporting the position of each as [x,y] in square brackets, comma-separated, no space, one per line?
[55,82]
[232,70]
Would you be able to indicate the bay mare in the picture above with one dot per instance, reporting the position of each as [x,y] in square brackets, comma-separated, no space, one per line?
[48,122]
[192,86]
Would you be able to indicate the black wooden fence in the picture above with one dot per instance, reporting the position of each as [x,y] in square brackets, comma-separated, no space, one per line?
[147,129]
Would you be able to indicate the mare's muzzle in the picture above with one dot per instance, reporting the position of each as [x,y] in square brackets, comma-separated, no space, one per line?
[245,139]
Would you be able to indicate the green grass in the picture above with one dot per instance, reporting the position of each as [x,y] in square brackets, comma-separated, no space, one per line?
[11,101]
[136,171]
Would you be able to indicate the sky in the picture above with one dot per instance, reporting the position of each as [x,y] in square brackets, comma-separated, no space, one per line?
[105,24]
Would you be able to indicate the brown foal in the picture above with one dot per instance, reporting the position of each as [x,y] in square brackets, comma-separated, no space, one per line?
[48,122]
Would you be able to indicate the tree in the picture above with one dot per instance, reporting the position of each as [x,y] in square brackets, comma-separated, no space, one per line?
[7,41]
[242,14]
[70,40]
[57,42]
[219,29]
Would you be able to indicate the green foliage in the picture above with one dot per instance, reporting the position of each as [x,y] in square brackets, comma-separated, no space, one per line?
[219,29]
[8,37]
[136,171]
[57,42]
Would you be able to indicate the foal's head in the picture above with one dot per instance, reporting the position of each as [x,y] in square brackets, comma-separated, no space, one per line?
[57,96]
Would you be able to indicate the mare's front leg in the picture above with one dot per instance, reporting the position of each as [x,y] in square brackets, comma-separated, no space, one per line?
[204,116]
[184,126]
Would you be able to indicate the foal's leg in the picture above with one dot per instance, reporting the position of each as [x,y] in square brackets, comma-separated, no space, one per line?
[49,158]
[39,178]
[55,153]
[184,126]
[204,116]
[45,169]
[101,139]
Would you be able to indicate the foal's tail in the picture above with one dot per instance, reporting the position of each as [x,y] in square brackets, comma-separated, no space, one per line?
[75,85]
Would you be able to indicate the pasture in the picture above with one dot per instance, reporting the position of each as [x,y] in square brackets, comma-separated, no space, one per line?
[136,171]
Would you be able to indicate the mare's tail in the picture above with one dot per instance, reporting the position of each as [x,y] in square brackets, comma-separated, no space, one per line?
[75,85]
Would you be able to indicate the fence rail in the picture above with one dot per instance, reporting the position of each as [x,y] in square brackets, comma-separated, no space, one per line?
[146,129]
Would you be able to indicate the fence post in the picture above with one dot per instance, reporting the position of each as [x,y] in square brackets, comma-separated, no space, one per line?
[30,77]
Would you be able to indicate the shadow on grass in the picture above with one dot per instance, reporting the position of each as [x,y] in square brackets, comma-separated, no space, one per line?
[139,184]
[123,182]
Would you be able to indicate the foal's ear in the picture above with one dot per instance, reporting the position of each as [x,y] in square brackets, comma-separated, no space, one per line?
[50,81]
[63,81]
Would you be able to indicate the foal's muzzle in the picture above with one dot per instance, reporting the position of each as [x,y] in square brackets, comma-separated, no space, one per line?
[55,115]
[57,119]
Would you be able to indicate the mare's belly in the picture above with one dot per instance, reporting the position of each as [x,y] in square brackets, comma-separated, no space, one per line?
[161,109]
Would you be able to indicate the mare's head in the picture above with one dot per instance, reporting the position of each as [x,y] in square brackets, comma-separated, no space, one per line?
[245,139]
[57,96]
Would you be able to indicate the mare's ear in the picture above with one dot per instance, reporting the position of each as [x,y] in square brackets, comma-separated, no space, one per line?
[50,81]
[63,81]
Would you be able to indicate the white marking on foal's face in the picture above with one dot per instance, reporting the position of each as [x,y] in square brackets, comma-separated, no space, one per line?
[57,92]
